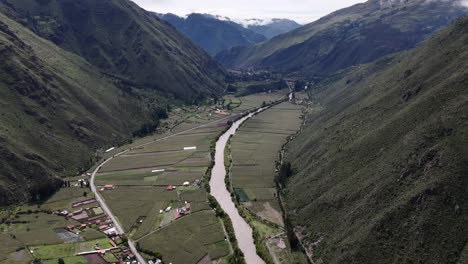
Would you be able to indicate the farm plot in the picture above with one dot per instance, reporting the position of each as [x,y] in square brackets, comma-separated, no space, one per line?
[68,260]
[38,228]
[244,103]
[128,178]
[68,249]
[179,175]
[130,162]
[130,203]
[254,150]
[201,140]
[8,245]
[187,240]
[65,197]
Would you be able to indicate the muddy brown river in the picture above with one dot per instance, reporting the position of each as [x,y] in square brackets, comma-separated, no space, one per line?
[218,189]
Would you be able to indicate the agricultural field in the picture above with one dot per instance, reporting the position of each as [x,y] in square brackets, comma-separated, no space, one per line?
[154,184]
[33,231]
[177,159]
[68,249]
[241,104]
[189,239]
[254,150]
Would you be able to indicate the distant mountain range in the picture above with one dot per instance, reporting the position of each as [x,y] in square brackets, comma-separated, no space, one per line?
[350,36]
[218,33]
[273,27]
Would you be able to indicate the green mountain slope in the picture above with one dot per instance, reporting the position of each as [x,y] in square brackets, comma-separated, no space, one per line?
[380,169]
[212,34]
[55,110]
[123,40]
[354,35]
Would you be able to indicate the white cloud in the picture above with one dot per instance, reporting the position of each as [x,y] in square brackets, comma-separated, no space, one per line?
[303,11]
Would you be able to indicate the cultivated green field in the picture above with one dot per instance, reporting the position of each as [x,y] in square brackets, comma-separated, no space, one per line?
[130,203]
[29,227]
[244,103]
[254,150]
[142,174]
[68,249]
[187,240]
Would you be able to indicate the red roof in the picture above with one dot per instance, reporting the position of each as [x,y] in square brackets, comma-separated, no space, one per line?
[170,188]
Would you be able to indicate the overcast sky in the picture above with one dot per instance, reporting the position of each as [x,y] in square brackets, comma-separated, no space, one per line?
[303,11]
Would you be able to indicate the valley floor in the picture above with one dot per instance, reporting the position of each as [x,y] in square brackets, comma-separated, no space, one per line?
[154,190]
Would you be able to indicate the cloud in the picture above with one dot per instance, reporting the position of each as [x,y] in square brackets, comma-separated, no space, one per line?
[303,11]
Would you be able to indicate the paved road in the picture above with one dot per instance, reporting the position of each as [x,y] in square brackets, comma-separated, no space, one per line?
[104,206]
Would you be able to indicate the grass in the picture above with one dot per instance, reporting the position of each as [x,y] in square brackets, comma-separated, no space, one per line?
[68,260]
[69,249]
[188,239]
[254,152]
[254,100]
[37,228]
[129,203]
[137,162]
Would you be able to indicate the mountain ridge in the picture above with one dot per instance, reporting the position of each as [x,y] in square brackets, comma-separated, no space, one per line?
[379,167]
[123,40]
[60,105]
[353,35]
[212,34]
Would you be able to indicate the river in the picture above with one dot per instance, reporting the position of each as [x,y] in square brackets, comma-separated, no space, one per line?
[218,189]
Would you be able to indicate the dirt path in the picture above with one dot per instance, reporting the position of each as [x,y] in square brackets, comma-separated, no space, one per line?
[272,252]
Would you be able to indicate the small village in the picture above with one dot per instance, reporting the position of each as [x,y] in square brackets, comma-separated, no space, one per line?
[95,218]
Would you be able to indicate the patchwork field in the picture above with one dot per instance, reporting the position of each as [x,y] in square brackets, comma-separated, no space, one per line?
[187,240]
[243,103]
[153,185]
[68,249]
[33,232]
[254,150]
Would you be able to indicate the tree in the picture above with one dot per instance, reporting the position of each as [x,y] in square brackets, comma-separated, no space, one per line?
[61,261]
[237,257]
[85,194]
[293,241]
[284,173]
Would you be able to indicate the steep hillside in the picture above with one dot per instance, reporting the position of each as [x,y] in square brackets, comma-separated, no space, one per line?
[380,168]
[212,34]
[274,28]
[354,35]
[56,109]
[125,41]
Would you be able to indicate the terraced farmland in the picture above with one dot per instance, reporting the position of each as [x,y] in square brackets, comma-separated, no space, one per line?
[254,150]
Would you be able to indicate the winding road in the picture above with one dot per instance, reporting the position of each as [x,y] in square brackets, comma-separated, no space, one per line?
[242,230]
[106,208]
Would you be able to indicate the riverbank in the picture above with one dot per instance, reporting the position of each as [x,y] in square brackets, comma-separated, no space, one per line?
[243,231]
[252,183]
